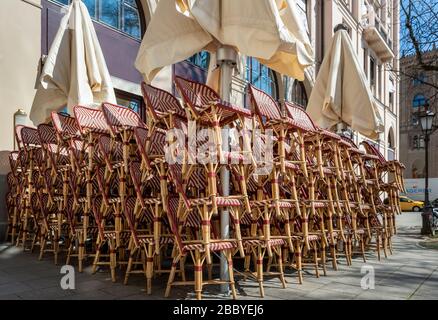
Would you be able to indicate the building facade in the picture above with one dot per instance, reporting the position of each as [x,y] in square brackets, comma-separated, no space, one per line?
[416,96]
[32,24]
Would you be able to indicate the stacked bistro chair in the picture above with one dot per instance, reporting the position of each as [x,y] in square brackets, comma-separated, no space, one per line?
[146,197]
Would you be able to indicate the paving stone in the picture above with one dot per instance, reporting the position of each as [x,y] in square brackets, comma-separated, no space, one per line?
[13,288]
[46,293]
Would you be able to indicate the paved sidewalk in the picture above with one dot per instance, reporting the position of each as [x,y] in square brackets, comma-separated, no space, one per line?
[410,273]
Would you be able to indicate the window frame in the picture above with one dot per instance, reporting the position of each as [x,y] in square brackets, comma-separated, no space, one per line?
[417,102]
[131,96]
[271,73]
[97,17]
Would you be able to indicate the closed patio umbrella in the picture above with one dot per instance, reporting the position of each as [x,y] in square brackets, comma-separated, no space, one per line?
[266,29]
[75,71]
[341,93]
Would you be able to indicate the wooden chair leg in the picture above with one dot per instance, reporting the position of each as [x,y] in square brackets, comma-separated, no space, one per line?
[198,275]
[362,249]
[378,246]
[56,248]
[149,267]
[334,257]
[323,258]
[172,275]
[280,268]
[299,266]
[231,273]
[96,257]
[42,247]
[130,263]
[259,270]
[315,259]
[113,260]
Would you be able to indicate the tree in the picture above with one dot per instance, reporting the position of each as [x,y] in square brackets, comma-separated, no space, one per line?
[419,37]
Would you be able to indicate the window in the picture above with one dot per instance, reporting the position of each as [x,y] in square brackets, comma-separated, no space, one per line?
[419,79]
[302,12]
[295,92]
[379,80]
[373,75]
[130,101]
[122,15]
[201,59]
[421,142]
[261,76]
[298,94]
[391,100]
[419,101]
[415,122]
[365,61]
[418,142]
[391,94]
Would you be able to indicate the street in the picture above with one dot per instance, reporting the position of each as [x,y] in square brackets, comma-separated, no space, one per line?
[410,273]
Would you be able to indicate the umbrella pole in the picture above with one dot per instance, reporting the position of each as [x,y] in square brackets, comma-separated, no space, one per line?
[226,59]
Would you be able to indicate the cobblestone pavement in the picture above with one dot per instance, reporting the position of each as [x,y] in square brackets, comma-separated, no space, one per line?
[410,273]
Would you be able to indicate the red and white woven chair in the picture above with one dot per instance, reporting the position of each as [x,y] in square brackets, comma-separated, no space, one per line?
[196,249]
[163,109]
[205,106]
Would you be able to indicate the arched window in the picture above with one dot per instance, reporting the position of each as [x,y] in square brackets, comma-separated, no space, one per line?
[391,142]
[419,101]
[122,15]
[261,76]
[419,79]
[295,92]
[200,59]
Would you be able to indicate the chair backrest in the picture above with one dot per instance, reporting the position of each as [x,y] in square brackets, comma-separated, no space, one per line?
[370,148]
[174,221]
[18,137]
[157,142]
[10,178]
[98,216]
[90,120]
[30,138]
[14,161]
[47,134]
[119,117]
[110,150]
[300,116]
[161,101]
[263,104]
[65,126]
[197,180]
[128,212]
[152,183]
[196,95]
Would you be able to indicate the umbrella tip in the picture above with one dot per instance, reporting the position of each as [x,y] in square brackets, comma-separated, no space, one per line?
[341,26]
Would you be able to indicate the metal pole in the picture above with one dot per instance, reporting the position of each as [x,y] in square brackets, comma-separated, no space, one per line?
[427,210]
[226,58]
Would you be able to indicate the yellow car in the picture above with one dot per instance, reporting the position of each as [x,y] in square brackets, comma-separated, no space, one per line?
[407,204]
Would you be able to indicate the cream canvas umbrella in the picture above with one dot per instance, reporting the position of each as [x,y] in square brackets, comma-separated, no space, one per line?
[269,30]
[341,93]
[75,71]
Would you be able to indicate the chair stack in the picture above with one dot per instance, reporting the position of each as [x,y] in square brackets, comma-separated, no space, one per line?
[107,188]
